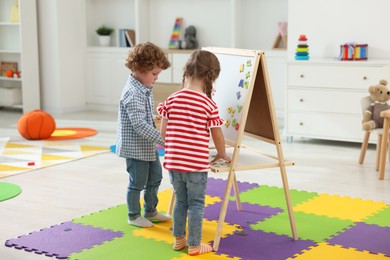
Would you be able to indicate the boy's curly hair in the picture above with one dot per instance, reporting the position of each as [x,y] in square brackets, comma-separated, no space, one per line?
[145,56]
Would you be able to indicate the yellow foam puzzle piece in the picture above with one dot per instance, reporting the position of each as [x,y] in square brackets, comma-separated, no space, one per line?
[325,251]
[335,206]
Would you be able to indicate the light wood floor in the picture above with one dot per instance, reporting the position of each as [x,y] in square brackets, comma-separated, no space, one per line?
[60,193]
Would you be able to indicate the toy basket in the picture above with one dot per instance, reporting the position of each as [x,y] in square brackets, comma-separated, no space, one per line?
[352,51]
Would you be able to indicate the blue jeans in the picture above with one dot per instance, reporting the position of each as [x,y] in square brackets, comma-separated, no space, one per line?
[190,190]
[147,176]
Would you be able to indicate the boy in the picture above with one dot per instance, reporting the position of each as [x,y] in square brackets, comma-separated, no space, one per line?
[137,135]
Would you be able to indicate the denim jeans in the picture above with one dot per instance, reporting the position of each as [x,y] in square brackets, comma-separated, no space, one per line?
[190,190]
[147,176]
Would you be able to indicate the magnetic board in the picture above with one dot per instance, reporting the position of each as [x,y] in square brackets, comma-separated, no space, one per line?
[242,94]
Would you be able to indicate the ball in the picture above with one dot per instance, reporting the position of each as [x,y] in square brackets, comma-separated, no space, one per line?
[36,125]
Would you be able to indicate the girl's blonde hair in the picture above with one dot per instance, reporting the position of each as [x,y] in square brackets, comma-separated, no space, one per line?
[203,65]
[145,56]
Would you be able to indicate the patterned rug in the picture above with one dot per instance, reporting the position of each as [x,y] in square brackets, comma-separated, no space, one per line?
[20,155]
[329,227]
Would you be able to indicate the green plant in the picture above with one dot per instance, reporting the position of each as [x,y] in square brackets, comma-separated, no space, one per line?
[104,30]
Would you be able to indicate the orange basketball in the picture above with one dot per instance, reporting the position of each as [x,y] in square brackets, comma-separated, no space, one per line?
[36,125]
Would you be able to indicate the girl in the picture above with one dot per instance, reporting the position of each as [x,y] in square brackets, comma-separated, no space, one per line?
[188,117]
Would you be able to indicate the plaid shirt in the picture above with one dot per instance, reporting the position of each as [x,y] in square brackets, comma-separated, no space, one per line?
[137,135]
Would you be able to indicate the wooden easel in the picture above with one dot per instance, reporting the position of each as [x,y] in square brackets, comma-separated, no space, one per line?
[244,83]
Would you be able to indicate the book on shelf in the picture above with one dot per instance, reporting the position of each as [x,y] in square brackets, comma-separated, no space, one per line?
[126,38]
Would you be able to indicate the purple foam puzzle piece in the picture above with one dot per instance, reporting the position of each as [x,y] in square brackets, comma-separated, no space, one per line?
[216,187]
[365,237]
[249,214]
[62,240]
[257,244]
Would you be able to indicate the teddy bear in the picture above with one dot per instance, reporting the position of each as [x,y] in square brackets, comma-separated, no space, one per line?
[379,94]
[190,41]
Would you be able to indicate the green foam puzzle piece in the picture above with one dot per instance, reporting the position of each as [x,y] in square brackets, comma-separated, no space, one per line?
[114,218]
[129,247]
[274,196]
[382,218]
[309,226]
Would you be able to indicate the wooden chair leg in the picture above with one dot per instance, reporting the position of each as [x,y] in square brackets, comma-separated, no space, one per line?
[383,157]
[378,151]
[364,147]
[388,150]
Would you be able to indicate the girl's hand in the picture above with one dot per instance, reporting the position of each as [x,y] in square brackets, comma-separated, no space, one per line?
[223,157]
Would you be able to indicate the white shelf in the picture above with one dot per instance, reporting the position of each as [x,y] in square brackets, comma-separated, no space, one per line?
[19,43]
[9,24]
[10,51]
[10,79]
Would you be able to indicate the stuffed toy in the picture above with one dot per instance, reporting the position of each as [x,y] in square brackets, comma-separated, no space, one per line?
[190,41]
[379,94]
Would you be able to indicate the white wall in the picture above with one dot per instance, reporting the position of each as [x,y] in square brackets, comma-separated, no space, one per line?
[259,22]
[61,46]
[328,24]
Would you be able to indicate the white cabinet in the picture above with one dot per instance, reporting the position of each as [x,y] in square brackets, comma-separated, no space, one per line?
[106,75]
[19,45]
[323,97]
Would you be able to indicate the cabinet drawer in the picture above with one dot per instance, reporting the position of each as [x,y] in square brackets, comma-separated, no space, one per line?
[325,126]
[318,100]
[335,76]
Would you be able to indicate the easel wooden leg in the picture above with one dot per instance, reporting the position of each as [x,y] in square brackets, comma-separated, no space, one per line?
[171,203]
[237,194]
[286,191]
[288,201]
[231,179]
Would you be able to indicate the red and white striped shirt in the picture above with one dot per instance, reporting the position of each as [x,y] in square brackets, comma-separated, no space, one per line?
[190,116]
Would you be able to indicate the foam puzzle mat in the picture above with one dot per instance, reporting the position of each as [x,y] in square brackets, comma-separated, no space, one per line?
[20,155]
[328,226]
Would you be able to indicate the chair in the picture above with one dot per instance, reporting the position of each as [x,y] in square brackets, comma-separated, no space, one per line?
[385,140]
[365,102]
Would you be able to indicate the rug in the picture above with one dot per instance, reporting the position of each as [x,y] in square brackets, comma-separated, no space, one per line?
[328,226]
[9,190]
[20,155]
[71,133]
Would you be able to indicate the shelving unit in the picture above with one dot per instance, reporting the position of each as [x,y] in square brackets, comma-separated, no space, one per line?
[19,44]
[246,24]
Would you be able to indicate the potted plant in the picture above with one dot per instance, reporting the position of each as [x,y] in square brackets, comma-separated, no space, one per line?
[104,33]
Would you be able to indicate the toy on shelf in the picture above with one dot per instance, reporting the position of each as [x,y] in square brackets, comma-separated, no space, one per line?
[281,39]
[353,51]
[302,50]
[190,41]
[174,42]
[380,96]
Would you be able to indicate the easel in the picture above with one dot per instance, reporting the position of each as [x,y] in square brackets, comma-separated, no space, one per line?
[254,90]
